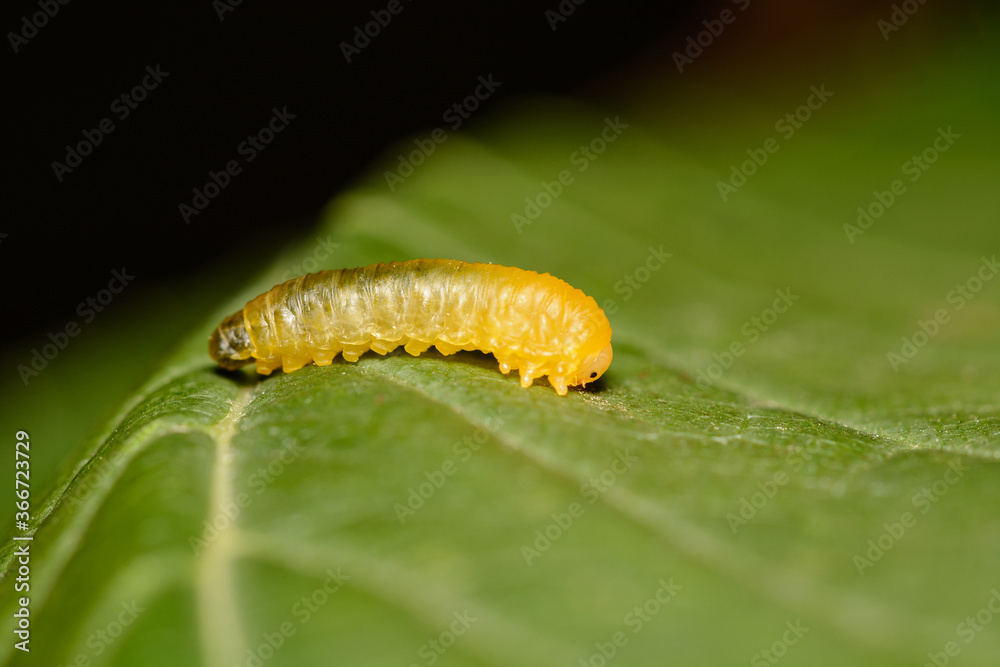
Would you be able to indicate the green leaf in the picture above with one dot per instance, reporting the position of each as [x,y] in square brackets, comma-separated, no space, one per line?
[752,475]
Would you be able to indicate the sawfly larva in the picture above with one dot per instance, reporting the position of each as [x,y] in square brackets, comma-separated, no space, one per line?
[534,323]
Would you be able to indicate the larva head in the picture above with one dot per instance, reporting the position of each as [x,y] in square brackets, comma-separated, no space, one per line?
[593,367]
[230,344]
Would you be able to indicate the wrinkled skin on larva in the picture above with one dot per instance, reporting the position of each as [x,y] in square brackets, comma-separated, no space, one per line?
[533,323]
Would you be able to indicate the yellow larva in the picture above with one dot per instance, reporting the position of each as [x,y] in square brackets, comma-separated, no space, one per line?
[534,323]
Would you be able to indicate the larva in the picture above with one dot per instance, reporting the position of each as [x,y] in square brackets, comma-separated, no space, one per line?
[534,323]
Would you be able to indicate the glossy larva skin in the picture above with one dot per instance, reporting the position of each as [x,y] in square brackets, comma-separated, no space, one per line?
[531,322]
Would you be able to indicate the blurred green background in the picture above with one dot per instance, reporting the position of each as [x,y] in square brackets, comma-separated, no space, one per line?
[756,479]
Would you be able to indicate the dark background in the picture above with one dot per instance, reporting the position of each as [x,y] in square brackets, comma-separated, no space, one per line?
[120,206]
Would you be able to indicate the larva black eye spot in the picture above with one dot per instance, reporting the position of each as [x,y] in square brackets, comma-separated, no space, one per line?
[593,375]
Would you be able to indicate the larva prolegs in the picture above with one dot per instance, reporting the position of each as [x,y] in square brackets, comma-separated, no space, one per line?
[416,347]
[383,347]
[353,352]
[447,349]
[325,357]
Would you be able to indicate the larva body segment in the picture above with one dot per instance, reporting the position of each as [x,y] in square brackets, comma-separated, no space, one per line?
[531,322]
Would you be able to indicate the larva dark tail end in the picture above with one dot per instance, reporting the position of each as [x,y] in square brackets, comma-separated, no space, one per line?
[230,344]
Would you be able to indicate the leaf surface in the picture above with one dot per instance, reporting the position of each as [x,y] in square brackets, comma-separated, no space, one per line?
[751,474]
